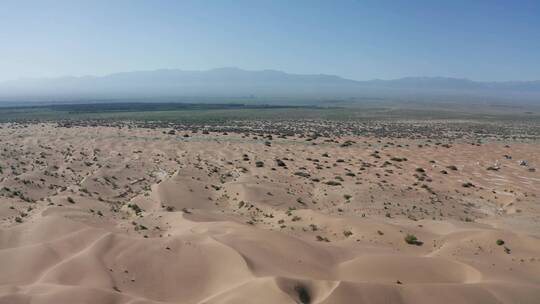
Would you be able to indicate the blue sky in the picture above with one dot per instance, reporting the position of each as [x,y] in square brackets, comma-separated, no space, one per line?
[481,40]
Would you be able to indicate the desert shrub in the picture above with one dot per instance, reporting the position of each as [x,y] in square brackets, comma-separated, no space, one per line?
[322,239]
[135,208]
[347,143]
[302,174]
[398,159]
[411,239]
[333,183]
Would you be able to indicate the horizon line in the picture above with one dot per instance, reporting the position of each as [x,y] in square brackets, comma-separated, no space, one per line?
[25,78]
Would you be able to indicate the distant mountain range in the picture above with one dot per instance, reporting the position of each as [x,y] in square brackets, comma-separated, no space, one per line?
[234,82]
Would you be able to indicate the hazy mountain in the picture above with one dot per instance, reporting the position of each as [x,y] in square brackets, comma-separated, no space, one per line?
[447,83]
[234,82]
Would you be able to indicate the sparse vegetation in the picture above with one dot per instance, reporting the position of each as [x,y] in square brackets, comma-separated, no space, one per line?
[135,208]
[322,238]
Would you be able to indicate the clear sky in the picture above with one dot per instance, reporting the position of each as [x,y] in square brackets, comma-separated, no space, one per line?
[481,40]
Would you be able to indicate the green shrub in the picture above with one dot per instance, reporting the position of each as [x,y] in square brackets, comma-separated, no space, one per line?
[411,239]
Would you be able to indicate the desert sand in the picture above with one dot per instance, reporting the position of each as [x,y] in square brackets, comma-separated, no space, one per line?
[148,215]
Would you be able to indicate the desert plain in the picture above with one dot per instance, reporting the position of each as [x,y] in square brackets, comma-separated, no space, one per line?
[270,213]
